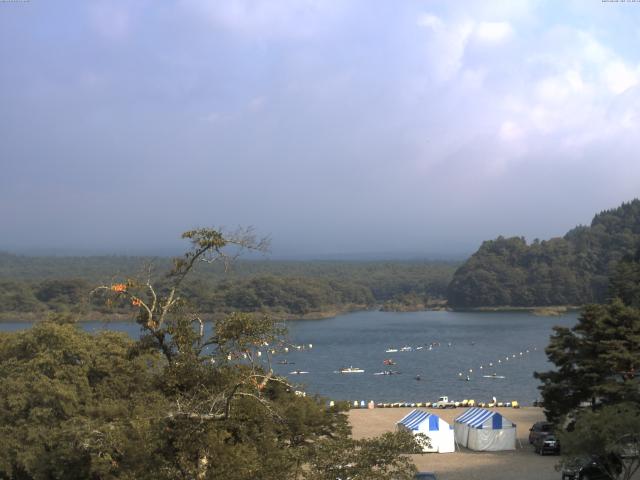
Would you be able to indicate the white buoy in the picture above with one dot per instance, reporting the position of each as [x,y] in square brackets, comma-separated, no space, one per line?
[491,364]
[311,345]
[471,370]
[481,367]
[286,349]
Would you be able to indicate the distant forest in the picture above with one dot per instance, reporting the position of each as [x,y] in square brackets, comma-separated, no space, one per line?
[42,285]
[572,270]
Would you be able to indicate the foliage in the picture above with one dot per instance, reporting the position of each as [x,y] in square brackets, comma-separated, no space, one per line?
[50,284]
[572,270]
[370,459]
[611,435]
[74,405]
[597,360]
[189,400]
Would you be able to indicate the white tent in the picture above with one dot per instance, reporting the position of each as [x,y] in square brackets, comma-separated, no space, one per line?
[440,433]
[484,430]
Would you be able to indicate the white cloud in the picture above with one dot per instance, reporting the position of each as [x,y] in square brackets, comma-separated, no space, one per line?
[493,32]
[446,44]
[619,77]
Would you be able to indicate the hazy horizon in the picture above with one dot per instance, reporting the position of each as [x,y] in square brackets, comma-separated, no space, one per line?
[339,129]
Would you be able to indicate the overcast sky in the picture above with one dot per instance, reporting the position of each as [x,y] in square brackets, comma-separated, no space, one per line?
[336,127]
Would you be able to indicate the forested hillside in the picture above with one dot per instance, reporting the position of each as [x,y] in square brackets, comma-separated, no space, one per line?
[572,270]
[291,288]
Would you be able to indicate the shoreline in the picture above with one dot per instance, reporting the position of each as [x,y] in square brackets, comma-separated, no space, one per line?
[97,316]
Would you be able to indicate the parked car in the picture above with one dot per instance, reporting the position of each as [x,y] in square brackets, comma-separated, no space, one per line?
[540,429]
[587,468]
[425,476]
[547,444]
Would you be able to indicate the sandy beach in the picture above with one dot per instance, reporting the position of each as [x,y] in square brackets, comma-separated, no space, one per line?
[521,464]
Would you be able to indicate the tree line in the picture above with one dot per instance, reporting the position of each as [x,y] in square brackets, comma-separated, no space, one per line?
[287,288]
[571,270]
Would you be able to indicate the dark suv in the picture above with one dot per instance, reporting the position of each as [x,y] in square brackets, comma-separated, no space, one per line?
[547,444]
[540,429]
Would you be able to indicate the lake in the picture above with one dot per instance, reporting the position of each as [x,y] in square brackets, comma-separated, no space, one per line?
[461,341]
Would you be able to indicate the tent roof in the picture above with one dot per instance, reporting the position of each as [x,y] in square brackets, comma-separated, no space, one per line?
[476,417]
[413,420]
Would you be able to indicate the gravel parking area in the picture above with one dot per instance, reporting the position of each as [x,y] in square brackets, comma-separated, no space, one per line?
[522,464]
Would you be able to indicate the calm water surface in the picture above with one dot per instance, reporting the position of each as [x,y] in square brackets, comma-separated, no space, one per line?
[466,340]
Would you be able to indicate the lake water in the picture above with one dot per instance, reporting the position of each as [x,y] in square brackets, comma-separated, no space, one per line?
[466,341]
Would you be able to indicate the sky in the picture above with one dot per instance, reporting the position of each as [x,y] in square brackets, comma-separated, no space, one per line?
[337,128]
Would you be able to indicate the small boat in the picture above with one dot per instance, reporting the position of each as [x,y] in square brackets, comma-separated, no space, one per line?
[297,372]
[389,361]
[406,349]
[419,348]
[286,362]
[391,350]
[351,370]
[418,378]
[387,372]
[493,375]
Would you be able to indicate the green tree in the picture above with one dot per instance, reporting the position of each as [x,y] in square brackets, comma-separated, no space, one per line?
[190,400]
[597,360]
[611,434]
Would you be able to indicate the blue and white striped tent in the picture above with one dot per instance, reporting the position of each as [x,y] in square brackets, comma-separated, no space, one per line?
[440,433]
[486,430]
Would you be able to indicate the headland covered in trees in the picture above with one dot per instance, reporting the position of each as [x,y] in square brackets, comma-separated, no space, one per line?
[570,270]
